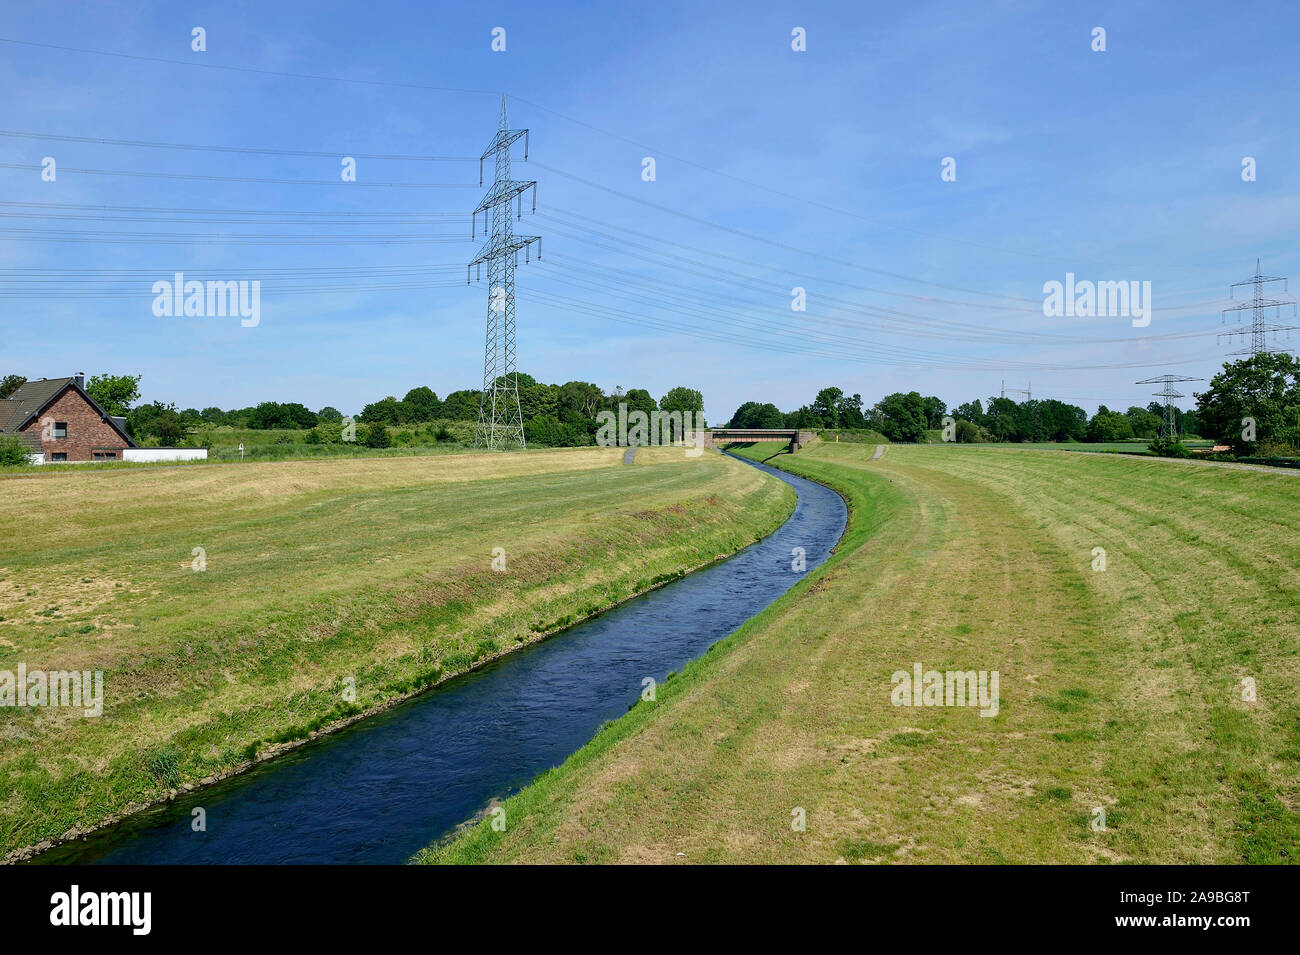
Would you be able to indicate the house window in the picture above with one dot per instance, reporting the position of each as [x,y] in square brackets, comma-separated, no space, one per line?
[59,456]
[105,455]
[60,429]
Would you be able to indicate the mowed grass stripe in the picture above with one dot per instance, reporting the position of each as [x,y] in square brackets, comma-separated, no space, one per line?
[1226,584]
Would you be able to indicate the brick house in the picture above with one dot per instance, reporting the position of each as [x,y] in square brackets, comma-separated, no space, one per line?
[54,417]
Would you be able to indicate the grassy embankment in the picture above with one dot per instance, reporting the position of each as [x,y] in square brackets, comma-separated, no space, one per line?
[1120,689]
[316,572]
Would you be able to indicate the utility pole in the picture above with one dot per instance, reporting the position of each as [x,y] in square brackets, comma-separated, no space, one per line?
[1257,305]
[500,420]
[1169,427]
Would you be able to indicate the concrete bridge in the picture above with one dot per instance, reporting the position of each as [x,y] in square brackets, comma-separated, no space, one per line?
[795,438]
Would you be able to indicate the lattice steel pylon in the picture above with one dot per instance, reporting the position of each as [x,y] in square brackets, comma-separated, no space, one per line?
[1259,328]
[1168,427]
[500,420]
[1027,392]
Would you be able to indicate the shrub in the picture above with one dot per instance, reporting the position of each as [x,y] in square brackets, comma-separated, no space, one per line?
[12,451]
[1168,448]
[547,431]
[377,436]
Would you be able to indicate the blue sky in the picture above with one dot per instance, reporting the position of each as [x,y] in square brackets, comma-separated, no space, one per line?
[774,169]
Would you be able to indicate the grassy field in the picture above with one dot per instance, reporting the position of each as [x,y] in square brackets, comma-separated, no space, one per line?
[316,573]
[1121,690]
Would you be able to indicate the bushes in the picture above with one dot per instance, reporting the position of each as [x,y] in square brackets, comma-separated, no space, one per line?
[377,436]
[548,431]
[1168,448]
[12,451]
[968,432]
[158,421]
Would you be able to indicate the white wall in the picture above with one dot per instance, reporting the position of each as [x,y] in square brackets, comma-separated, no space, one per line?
[164,454]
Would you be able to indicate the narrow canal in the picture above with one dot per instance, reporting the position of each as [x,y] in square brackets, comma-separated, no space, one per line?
[383,788]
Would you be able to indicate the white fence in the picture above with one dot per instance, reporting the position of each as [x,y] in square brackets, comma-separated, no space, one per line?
[141,455]
[164,454]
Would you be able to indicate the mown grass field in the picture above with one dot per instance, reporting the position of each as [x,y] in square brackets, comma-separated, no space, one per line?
[376,571]
[1121,689]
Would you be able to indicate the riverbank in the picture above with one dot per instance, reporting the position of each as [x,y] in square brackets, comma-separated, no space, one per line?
[1122,730]
[328,591]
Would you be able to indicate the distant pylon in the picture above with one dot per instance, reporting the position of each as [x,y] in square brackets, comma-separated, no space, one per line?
[1259,328]
[1027,392]
[500,420]
[1169,427]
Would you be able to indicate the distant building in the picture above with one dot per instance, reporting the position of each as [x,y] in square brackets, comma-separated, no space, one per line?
[58,421]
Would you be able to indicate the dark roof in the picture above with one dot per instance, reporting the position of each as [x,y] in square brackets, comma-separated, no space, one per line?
[31,398]
[29,439]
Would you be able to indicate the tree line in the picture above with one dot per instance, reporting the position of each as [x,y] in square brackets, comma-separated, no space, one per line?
[1252,405]
[553,415]
[908,416]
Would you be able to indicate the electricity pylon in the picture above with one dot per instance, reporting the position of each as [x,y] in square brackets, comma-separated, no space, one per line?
[500,420]
[1027,392]
[1259,328]
[1169,427]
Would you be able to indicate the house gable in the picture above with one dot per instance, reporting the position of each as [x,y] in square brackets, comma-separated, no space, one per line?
[87,430]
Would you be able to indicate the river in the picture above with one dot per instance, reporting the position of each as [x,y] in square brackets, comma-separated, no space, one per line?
[381,789]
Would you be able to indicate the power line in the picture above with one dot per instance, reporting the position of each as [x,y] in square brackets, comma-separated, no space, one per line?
[207,64]
[603,310]
[1035,309]
[204,238]
[253,150]
[772,242]
[248,212]
[59,273]
[930,327]
[272,290]
[282,182]
[442,89]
